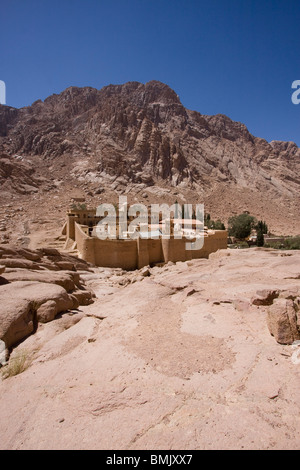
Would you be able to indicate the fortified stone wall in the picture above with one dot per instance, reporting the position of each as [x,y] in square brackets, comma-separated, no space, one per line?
[85,244]
[134,254]
[116,253]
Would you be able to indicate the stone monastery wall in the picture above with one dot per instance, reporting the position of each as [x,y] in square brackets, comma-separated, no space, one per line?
[134,254]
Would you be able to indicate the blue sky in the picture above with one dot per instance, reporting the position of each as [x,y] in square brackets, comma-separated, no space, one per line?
[235,57]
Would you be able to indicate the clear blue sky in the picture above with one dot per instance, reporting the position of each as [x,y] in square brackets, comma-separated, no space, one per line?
[235,57]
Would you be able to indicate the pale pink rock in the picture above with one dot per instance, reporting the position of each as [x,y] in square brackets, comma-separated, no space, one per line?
[147,366]
[21,304]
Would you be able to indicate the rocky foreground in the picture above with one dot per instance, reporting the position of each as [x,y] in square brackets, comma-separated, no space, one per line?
[196,355]
[36,286]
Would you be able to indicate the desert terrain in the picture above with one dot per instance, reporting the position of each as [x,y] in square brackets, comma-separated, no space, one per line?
[201,354]
[173,357]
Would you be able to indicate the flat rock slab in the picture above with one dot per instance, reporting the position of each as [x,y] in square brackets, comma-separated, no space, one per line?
[157,365]
[66,280]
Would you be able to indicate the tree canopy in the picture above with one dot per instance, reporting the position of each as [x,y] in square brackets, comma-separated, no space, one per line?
[240,226]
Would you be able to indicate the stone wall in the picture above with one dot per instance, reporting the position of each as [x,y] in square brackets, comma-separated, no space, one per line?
[134,254]
[116,253]
[85,244]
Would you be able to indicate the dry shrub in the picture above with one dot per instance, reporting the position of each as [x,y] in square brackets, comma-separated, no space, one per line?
[17,364]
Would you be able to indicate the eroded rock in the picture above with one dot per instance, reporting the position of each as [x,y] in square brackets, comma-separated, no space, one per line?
[265,297]
[36,289]
[26,303]
[283,321]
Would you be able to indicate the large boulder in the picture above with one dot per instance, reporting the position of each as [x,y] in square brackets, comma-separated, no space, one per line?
[284,320]
[84,297]
[19,263]
[24,304]
[35,286]
[44,258]
[68,280]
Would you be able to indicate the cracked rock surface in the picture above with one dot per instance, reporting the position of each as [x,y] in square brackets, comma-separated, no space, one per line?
[182,358]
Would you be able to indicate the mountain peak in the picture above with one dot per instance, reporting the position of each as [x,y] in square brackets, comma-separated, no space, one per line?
[160,92]
[138,137]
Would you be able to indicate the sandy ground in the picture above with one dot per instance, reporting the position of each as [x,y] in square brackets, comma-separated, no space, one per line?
[179,360]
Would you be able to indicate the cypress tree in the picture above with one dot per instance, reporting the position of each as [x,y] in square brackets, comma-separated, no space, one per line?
[260,241]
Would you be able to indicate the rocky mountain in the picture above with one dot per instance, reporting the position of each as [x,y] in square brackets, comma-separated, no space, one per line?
[138,139]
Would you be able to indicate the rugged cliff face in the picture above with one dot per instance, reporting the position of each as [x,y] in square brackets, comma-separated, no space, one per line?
[140,140]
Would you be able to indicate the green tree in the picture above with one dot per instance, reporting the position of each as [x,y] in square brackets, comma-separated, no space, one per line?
[207,221]
[260,240]
[240,226]
[213,224]
[218,225]
[261,225]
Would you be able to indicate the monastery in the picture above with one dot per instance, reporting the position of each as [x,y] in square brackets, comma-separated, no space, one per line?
[148,247]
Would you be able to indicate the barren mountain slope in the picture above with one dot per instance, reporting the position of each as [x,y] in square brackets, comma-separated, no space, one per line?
[139,140]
